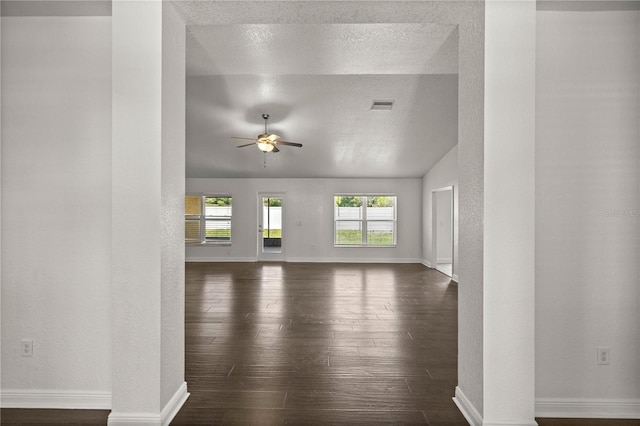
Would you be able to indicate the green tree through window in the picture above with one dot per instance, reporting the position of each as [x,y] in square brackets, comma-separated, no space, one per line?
[348,201]
[217,201]
[380,201]
[272,202]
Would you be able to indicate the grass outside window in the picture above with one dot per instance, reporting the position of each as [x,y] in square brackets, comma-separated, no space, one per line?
[272,233]
[354,237]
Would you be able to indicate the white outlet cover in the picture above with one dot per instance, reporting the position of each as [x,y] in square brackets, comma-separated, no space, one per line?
[604,355]
[27,347]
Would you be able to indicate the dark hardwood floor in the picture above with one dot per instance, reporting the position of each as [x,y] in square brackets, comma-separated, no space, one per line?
[303,344]
[296,343]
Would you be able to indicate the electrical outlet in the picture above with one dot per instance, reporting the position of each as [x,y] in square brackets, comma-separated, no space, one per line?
[604,355]
[27,347]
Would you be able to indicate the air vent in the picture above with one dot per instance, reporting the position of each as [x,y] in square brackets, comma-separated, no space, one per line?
[381,105]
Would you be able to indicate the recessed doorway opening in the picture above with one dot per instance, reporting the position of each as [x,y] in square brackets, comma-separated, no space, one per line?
[442,230]
[270,227]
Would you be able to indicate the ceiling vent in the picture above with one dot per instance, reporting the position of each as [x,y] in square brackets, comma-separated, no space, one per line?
[381,105]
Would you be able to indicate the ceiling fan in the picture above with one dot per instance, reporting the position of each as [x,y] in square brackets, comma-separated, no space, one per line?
[267,141]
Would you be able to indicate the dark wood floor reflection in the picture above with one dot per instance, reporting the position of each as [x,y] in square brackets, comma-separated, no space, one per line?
[319,343]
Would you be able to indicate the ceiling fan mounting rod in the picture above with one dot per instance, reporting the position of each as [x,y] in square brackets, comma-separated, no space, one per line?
[266,117]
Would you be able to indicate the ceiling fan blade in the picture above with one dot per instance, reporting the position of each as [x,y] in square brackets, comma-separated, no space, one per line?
[275,149]
[238,137]
[287,143]
[247,144]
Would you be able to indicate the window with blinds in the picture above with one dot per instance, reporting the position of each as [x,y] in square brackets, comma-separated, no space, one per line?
[207,219]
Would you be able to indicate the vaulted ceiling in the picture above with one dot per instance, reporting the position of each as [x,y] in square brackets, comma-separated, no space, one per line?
[316,68]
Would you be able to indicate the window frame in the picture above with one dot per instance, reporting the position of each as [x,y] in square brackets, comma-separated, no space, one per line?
[364,221]
[203,219]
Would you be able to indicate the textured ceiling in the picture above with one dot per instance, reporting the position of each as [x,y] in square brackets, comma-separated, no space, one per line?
[283,49]
[316,67]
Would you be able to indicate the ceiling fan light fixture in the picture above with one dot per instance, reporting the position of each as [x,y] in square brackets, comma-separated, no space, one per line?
[266,141]
[268,137]
[265,146]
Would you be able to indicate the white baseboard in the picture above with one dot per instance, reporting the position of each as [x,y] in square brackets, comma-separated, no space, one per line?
[138,419]
[588,408]
[153,419]
[426,263]
[466,408]
[70,400]
[474,418]
[220,259]
[348,260]
[175,403]
[444,260]
[308,260]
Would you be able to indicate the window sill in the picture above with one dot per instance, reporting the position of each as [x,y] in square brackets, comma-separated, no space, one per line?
[361,246]
[208,244]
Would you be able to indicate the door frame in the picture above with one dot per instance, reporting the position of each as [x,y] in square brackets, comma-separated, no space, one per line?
[434,228]
[261,255]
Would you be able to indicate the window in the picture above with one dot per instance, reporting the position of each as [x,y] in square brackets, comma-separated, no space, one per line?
[365,220]
[207,219]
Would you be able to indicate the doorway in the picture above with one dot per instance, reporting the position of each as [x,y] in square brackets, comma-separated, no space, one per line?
[442,230]
[270,227]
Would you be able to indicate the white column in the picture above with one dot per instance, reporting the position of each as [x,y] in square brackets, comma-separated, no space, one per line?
[173,392]
[0,175]
[470,226]
[509,213]
[148,188]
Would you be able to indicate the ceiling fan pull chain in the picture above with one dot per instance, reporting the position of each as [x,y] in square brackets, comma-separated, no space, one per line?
[265,160]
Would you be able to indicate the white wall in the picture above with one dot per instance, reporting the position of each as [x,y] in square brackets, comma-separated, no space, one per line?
[587,236]
[443,174]
[56,210]
[308,219]
[508,292]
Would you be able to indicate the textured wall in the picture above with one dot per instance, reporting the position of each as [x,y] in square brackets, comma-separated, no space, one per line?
[172,210]
[587,210]
[471,163]
[56,193]
[309,218]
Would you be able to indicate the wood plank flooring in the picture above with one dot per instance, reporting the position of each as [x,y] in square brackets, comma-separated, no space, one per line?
[305,344]
[293,343]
